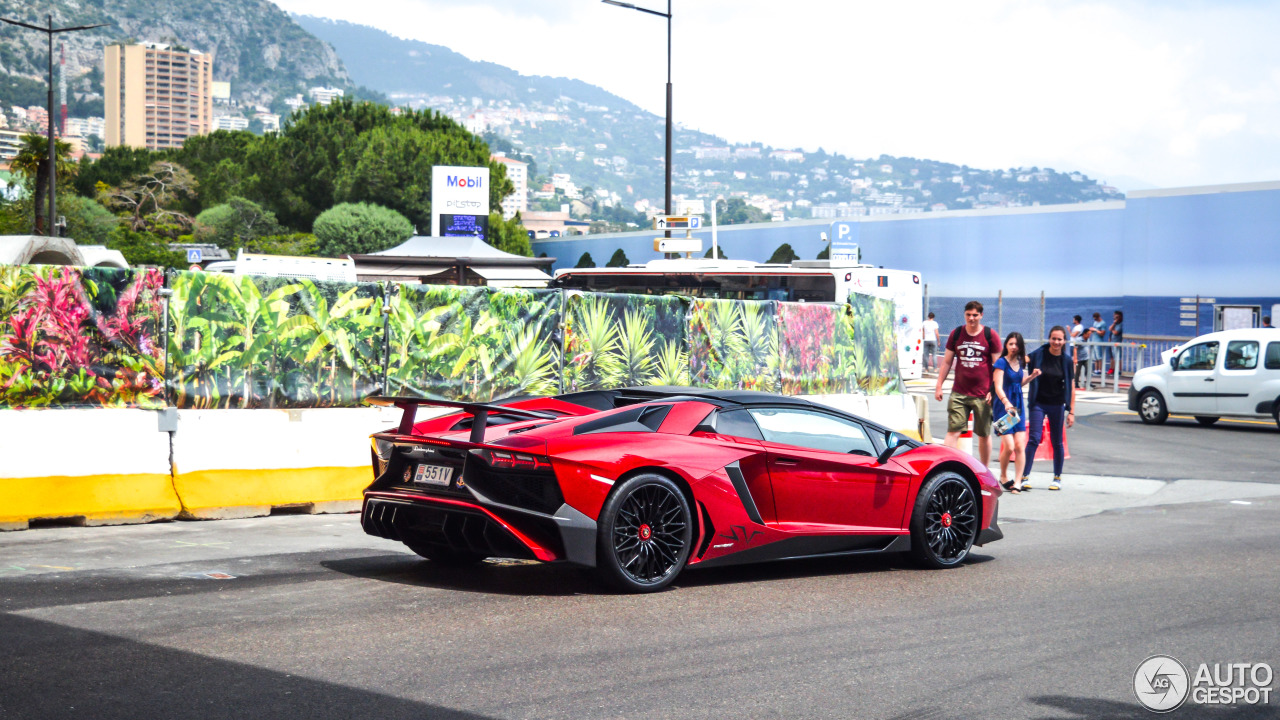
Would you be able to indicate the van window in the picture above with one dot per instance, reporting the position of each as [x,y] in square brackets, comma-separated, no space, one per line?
[1273,356]
[1199,357]
[1241,355]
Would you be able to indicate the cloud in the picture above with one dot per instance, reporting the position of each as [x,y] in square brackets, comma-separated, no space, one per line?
[1138,88]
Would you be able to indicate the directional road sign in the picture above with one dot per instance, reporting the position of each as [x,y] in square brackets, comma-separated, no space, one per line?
[677,222]
[677,245]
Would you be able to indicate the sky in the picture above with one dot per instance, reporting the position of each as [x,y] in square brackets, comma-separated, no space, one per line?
[1138,93]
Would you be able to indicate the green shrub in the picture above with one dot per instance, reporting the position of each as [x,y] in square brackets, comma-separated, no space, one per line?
[359,228]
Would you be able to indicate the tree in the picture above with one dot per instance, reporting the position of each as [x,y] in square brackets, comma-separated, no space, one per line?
[509,235]
[118,165]
[359,228]
[585,261]
[825,254]
[88,223]
[217,161]
[784,255]
[719,250]
[144,248]
[237,222]
[32,162]
[348,151]
[290,244]
[619,259]
[735,211]
[152,200]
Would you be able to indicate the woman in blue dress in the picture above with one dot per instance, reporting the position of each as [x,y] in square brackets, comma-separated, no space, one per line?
[1010,375]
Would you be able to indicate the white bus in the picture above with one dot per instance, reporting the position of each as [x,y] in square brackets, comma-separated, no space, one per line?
[801,281]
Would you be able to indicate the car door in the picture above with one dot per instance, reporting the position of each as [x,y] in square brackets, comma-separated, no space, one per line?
[1238,378]
[825,475]
[737,427]
[1192,383]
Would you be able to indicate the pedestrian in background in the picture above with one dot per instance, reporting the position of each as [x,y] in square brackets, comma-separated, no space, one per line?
[1266,319]
[1010,375]
[974,349]
[1079,353]
[1097,333]
[1051,396]
[929,331]
[1116,333]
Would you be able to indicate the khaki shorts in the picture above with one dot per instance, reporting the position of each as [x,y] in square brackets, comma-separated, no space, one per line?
[958,409]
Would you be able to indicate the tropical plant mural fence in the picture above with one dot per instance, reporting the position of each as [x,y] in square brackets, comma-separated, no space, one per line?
[90,337]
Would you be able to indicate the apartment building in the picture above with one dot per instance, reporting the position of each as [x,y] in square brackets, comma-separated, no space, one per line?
[157,96]
[518,174]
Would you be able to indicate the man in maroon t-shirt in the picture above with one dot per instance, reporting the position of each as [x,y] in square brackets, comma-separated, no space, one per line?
[974,349]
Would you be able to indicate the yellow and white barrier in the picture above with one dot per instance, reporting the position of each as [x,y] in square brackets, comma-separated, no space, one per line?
[91,467]
[99,466]
[242,463]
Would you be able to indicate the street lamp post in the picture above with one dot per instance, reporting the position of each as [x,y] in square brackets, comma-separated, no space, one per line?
[666,15]
[52,227]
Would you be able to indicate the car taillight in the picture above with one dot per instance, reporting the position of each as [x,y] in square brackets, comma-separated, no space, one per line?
[505,460]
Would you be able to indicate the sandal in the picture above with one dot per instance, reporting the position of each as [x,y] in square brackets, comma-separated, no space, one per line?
[1015,491]
[1007,485]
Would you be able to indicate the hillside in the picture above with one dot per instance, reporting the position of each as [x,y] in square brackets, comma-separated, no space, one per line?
[255,46]
[613,148]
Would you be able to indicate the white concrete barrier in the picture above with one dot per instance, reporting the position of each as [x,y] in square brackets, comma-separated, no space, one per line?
[241,463]
[93,467]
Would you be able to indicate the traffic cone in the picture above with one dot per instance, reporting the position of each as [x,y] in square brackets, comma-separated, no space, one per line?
[1045,450]
[966,438]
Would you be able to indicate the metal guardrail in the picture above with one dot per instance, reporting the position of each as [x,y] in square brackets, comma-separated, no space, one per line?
[1132,356]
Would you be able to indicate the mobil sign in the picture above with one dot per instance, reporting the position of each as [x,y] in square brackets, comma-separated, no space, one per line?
[459,195]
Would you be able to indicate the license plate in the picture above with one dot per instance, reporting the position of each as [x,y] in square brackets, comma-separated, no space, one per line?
[433,475]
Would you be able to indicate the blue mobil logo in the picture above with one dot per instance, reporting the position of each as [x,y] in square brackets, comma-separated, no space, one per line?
[462,181]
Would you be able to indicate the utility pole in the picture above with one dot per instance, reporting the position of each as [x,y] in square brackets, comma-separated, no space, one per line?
[52,228]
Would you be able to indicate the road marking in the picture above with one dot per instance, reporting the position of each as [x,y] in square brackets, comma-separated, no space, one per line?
[1241,502]
[208,544]
[1192,417]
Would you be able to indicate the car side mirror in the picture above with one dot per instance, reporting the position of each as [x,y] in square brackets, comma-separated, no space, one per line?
[893,444]
[1173,361]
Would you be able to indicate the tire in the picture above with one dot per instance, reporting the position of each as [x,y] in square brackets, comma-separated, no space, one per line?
[945,521]
[1206,420]
[645,534]
[1275,415]
[1152,408]
[445,555]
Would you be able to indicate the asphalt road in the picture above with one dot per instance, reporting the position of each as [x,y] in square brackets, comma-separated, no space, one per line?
[313,619]
[1109,440]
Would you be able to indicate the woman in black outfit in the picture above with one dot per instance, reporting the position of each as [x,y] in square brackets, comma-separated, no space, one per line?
[1051,396]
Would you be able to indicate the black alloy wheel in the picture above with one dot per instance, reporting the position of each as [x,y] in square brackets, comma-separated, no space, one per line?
[1206,420]
[444,555]
[1151,408]
[645,534]
[945,521]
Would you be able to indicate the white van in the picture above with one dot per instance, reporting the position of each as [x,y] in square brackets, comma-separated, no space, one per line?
[1233,373]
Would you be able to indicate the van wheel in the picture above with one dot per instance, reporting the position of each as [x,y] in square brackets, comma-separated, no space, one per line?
[1151,408]
[1206,420]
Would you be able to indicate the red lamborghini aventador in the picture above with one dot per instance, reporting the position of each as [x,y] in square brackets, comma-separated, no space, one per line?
[641,483]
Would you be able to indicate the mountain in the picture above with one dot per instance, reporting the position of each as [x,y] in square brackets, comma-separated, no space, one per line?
[611,147]
[255,46]
[396,67]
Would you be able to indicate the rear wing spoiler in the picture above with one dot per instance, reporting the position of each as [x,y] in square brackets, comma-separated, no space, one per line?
[479,412]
